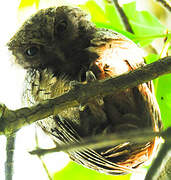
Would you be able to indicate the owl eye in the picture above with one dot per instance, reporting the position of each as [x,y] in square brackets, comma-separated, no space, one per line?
[32,51]
[61,26]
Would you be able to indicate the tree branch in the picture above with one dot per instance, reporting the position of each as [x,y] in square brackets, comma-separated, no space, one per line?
[156,172]
[140,136]
[160,169]
[10,147]
[123,17]
[166,4]
[166,170]
[11,121]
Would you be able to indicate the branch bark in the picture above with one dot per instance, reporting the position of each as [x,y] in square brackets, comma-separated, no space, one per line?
[156,171]
[166,4]
[160,169]
[123,17]
[11,121]
[10,147]
[140,136]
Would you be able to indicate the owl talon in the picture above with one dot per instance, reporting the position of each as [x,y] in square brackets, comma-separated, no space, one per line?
[74,83]
[90,76]
[82,107]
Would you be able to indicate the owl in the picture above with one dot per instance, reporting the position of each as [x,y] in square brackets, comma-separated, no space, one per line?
[60,45]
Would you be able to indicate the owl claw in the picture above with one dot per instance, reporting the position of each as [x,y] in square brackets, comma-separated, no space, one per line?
[82,107]
[90,76]
[74,83]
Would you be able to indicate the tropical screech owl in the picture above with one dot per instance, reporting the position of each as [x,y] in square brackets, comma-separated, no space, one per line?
[60,45]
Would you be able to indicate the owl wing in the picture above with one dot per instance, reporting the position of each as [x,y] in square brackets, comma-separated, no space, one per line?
[118,55]
[133,108]
[39,85]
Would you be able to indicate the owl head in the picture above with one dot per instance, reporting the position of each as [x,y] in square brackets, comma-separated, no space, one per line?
[51,37]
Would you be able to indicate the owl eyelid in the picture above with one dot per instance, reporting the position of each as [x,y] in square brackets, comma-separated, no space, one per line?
[32,51]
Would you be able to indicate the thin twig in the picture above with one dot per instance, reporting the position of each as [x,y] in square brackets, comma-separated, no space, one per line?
[123,17]
[166,170]
[40,157]
[139,136]
[10,146]
[80,94]
[166,4]
[164,51]
[160,161]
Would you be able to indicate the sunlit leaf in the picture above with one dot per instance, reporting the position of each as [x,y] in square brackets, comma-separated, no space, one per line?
[163,95]
[77,172]
[113,16]
[26,3]
[143,23]
[151,58]
[106,16]
[96,12]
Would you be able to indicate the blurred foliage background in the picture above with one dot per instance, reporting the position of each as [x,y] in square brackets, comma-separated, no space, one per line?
[150,31]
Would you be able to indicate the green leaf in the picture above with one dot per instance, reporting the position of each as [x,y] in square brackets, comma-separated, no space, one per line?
[26,3]
[96,12]
[77,172]
[143,23]
[151,58]
[103,13]
[113,16]
[163,94]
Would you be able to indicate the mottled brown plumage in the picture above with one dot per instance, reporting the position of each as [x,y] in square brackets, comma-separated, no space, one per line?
[60,45]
